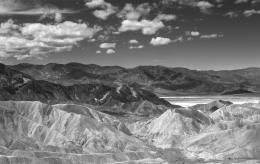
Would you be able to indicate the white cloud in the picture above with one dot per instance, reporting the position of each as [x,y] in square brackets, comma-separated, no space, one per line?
[38,11]
[98,52]
[29,7]
[63,33]
[158,41]
[194,33]
[231,14]
[57,17]
[240,1]
[133,41]
[110,51]
[166,17]
[179,39]
[35,39]
[130,12]
[95,3]
[107,45]
[255,1]
[106,9]
[148,27]
[249,13]
[136,47]
[204,6]
[103,14]
[135,19]
[211,36]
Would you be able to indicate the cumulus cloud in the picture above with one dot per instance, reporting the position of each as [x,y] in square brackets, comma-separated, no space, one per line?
[110,51]
[136,47]
[107,45]
[146,26]
[204,6]
[29,7]
[98,52]
[210,36]
[166,17]
[158,41]
[138,17]
[105,9]
[255,1]
[56,17]
[193,33]
[134,13]
[35,39]
[231,14]
[95,3]
[249,13]
[104,14]
[133,41]
[241,1]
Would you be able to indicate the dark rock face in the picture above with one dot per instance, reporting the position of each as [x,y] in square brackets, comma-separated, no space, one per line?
[122,98]
[161,80]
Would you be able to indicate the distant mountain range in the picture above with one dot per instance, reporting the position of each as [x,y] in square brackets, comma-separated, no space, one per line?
[158,79]
[122,99]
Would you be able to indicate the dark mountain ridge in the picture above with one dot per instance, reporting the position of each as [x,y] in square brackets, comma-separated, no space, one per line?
[158,79]
[15,85]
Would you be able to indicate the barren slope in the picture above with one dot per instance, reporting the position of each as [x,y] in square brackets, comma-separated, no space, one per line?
[33,132]
[230,133]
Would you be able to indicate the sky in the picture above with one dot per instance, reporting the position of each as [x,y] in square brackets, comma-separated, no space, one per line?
[207,34]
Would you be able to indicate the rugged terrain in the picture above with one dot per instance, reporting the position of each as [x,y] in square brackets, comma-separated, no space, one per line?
[34,132]
[122,99]
[158,79]
[229,134]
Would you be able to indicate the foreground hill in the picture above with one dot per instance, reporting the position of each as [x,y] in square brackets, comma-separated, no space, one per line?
[159,79]
[15,85]
[37,133]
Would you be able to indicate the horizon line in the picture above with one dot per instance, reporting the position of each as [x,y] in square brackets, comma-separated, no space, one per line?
[180,67]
